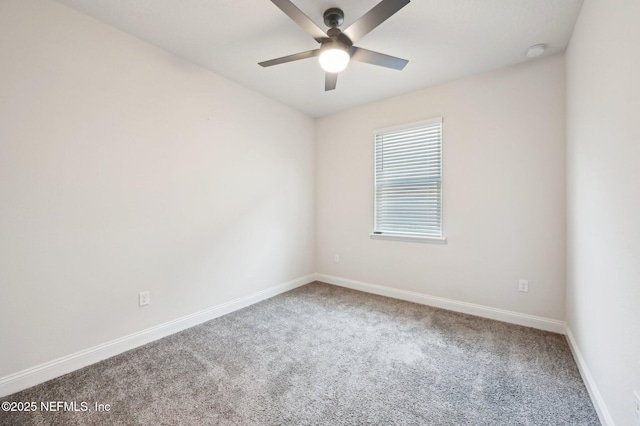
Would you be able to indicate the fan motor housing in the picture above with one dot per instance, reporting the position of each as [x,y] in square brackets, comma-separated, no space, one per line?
[333,17]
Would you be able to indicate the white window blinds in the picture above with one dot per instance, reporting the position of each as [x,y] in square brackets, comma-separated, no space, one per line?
[408,180]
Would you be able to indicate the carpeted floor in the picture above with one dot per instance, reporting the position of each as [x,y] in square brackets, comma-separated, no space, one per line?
[325,355]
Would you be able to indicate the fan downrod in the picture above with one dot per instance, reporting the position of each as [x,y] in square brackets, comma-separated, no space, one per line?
[333,17]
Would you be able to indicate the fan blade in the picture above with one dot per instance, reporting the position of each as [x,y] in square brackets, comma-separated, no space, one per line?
[290,58]
[330,80]
[370,57]
[376,16]
[301,19]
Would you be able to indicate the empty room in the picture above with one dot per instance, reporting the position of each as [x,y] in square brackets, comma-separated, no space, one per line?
[297,212]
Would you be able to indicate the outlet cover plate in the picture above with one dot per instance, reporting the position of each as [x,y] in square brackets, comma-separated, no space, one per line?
[144,298]
[523,286]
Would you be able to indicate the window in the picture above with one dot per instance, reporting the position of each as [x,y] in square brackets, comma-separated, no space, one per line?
[408,183]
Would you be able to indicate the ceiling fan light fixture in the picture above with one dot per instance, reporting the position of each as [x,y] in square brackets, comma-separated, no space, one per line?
[334,57]
[336,46]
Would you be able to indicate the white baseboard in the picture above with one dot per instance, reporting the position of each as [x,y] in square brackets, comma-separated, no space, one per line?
[526,320]
[52,369]
[587,378]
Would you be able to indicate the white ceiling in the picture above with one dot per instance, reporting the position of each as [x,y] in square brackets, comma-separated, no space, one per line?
[442,39]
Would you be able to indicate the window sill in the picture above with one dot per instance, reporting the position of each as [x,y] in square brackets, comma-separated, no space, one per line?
[409,238]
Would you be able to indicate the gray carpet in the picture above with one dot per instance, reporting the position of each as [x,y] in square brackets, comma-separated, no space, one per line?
[324,355]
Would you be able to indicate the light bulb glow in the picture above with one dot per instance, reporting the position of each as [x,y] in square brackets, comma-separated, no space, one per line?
[334,59]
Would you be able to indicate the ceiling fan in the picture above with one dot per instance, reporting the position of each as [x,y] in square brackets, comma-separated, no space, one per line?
[337,47]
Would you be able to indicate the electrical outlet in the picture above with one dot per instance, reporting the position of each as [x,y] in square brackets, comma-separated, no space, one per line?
[636,406]
[336,258]
[523,286]
[144,298]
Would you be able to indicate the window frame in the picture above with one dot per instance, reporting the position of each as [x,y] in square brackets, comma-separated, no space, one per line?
[399,236]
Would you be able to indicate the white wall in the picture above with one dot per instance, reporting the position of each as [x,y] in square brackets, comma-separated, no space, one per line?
[123,169]
[603,198]
[503,192]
